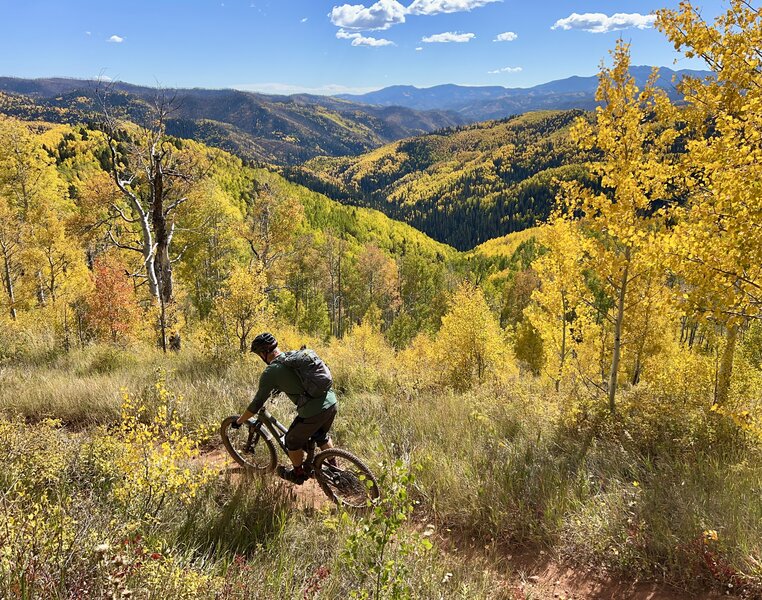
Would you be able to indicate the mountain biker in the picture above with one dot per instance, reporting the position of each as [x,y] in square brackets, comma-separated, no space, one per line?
[314,417]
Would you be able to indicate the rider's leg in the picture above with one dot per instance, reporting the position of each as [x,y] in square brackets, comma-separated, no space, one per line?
[296,438]
[296,457]
[301,430]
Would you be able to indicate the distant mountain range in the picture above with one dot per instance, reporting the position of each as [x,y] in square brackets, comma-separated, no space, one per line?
[494,102]
[263,128]
[289,130]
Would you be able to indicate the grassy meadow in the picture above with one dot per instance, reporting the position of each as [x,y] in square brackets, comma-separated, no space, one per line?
[95,505]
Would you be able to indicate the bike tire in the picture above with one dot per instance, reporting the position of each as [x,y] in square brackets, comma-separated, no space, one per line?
[249,446]
[350,483]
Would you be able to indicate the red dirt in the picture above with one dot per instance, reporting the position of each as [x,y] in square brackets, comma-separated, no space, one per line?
[308,495]
[546,579]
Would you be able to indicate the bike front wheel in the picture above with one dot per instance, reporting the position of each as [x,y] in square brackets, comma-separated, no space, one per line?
[248,446]
[345,479]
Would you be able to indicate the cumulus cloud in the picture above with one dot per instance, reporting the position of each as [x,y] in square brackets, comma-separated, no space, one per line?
[115,39]
[447,37]
[361,40]
[505,70]
[435,7]
[508,36]
[601,23]
[381,15]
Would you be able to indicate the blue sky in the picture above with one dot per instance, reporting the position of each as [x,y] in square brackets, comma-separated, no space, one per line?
[284,46]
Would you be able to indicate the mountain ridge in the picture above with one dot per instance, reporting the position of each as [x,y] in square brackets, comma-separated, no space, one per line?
[480,103]
[258,127]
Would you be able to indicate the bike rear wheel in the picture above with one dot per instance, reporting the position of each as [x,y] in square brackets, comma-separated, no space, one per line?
[248,446]
[345,479]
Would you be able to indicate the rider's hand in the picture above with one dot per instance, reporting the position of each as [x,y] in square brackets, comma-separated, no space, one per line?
[235,424]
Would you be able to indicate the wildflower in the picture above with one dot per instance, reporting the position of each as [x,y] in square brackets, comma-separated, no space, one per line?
[102,548]
[447,577]
[635,484]
[710,535]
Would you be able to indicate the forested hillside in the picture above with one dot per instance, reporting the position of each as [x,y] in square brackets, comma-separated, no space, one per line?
[257,127]
[325,265]
[461,186]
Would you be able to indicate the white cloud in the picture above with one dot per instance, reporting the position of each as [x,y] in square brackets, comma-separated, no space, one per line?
[419,48]
[329,89]
[447,37]
[304,20]
[381,15]
[506,70]
[88,33]
[371,41]
[435,7]
[115,39]
[601,23]
[361,40]
[508,36]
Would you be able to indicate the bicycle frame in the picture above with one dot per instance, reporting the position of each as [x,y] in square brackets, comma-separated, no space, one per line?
[265,420]
[275,428]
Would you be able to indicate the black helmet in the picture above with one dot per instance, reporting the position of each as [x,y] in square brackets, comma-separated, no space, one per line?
[264,342]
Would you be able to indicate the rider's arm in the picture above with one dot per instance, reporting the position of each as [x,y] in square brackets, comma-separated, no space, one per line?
[245,417]
[264,391]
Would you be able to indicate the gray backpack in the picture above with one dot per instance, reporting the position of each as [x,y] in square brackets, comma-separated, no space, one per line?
[312,372]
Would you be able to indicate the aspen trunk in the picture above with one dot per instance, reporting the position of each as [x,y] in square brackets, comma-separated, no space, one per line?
[726,366]
[562,357]
[9,283]
[614,373]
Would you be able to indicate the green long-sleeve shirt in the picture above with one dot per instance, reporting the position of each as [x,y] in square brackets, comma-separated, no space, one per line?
[281,378]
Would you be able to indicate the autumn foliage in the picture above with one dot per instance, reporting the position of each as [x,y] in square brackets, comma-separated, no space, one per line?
[112,309]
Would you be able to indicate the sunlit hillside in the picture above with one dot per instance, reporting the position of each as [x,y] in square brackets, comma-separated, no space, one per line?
[461,186]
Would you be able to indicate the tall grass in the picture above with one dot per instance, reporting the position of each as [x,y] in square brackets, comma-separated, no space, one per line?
[665,489]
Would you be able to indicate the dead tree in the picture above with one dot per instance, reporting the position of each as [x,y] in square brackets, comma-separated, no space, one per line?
[153,178]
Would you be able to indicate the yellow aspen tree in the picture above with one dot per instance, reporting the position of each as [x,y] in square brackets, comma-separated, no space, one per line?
[718,239]
[243,304]
[622,221]
[56,256]
[377,278]
[212,247]
[29,182]
[559,309]
[270,226]
[470,345]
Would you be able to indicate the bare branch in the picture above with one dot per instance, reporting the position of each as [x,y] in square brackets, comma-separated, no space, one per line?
[122,246]
[180,254]
[174,205]
[124,217]
[135,275]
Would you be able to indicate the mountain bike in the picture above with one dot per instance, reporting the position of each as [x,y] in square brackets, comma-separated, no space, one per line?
[342,476]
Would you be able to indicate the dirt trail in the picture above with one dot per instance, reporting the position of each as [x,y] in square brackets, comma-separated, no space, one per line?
[308,495]
[527,574]
[545,579]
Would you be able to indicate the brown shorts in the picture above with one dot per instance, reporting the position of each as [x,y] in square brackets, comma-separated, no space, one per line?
[313,428]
